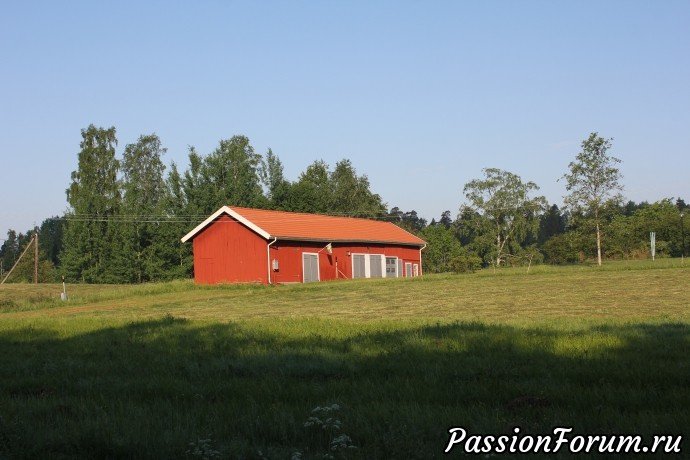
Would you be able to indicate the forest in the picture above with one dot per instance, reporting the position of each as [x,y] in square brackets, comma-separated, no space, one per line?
[126,213]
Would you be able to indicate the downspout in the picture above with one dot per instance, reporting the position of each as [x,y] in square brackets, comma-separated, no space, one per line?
[421,269]
[268,258]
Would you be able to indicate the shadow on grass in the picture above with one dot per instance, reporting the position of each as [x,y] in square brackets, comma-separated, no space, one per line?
[172,388]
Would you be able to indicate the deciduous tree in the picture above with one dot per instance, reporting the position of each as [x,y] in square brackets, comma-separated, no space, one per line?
[503,209]
[593,180]
[94,198]
[143,187]
[277,187]
[232,173]
[442,248]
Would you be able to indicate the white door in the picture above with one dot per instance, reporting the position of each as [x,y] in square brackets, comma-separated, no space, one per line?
[310,267]
[359,266]
[375,266]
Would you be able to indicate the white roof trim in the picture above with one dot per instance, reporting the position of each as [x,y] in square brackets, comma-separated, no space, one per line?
[230,212]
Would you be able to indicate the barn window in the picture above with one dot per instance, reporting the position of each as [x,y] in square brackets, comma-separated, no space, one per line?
[391,267]
[368,265]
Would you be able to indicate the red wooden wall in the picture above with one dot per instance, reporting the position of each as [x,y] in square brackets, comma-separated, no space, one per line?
[289,257]
[227,251]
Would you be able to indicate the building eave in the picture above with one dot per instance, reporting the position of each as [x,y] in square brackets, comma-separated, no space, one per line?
[347,241]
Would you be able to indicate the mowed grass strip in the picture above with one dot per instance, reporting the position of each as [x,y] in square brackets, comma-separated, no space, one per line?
[181,371]
[509,295]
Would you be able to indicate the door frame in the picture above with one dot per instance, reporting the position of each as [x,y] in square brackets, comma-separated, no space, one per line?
[318,267]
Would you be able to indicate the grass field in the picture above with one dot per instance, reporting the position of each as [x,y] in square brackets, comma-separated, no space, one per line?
[175,370]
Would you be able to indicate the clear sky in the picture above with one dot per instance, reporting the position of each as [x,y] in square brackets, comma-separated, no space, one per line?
[419,95]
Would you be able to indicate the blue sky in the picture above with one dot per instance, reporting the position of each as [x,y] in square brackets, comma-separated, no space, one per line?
[419,95]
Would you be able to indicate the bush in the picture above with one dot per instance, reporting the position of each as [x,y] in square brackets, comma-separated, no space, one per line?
[466,263]
[561,249]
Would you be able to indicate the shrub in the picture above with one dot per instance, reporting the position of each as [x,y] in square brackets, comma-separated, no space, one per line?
[466,263]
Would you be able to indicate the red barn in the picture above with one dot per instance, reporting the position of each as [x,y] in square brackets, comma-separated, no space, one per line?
[243,245]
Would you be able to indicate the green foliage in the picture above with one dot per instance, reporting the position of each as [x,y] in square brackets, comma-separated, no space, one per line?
[593,181]
[466,262]
[312,193]
[126,217]
[50,239]
[231,173]
[9,251]
[442,248]
[24,271]
[339,192]
[277,187]
[562,249]
[551,223]
[94,199]
[409,220]
[351,193]
[144,192]
[324,421]
[500,209]
[175,258]
[628,235]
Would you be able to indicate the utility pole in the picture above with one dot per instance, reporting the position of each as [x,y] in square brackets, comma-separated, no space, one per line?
[36,257]
[682,233]
[33,241]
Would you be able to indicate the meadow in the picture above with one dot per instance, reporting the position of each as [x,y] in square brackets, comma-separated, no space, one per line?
[370,369]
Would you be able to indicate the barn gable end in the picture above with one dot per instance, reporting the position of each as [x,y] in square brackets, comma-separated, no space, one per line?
[225,252]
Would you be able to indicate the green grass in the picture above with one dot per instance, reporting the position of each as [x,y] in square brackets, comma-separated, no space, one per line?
[143,371]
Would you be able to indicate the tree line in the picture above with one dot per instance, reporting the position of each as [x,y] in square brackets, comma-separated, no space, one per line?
[126,215]
[503,222]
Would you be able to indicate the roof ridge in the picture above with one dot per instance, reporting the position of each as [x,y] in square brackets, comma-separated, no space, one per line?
[309,214]
[270,223]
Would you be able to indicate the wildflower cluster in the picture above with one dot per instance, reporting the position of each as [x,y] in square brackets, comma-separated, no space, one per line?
[326,418]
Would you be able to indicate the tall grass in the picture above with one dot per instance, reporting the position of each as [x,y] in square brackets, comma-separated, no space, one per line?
[182,371]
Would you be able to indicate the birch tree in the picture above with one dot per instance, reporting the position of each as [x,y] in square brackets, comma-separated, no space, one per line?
[143,192]
[593,181]
[502,210]
[94,198]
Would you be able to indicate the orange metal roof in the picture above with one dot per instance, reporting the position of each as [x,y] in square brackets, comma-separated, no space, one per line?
[314,227]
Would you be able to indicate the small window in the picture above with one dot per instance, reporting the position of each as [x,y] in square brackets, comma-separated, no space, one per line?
[368,265]
[391,267]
